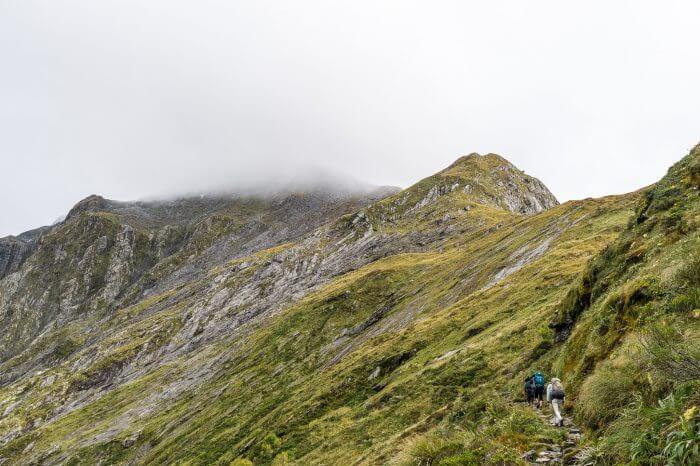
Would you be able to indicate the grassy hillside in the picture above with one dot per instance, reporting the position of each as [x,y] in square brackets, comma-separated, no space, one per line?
[397,334]
[633,355]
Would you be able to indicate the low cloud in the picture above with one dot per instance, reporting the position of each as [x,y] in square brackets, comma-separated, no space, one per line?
[134,100]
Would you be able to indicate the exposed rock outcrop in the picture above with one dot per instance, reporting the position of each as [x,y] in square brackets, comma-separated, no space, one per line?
[499,182]
[13,253]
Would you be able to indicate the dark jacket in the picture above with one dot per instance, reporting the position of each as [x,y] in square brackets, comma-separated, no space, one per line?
[530,385]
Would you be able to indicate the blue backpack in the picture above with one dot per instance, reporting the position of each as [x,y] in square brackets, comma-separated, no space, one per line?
[539,380]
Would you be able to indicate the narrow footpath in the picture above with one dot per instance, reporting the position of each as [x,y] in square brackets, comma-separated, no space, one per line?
[564,453]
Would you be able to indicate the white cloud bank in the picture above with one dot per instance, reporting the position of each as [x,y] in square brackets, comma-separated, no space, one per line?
[131,99]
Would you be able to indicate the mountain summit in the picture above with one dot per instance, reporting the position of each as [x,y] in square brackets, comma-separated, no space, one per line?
[374,328]
[495,180]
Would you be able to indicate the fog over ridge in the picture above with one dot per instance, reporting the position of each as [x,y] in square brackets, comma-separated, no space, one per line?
[274,184]
[136,100]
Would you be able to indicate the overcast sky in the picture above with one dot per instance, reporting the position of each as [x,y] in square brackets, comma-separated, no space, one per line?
[131,99]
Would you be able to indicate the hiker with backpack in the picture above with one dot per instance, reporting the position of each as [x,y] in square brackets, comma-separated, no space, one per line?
[539,380]
[530,390]
[555,396]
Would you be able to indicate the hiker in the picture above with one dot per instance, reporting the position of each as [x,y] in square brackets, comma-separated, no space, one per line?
[530,390]
[539,380]
[555,396]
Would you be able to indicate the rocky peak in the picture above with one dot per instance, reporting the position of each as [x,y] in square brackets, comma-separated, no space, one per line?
[477,160]
[492,180]
[91,203]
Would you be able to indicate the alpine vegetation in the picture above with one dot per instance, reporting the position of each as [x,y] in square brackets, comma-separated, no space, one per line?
[468,319]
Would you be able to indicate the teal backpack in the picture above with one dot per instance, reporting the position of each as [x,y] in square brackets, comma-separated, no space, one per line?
[539,379]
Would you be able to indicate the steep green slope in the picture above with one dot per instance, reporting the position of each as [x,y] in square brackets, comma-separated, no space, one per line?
[414,353]
[398,333]
[410,288]
[633,356]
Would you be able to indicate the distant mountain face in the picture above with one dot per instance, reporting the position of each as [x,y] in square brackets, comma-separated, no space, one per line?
[14,250]
[312,327]
[106,253]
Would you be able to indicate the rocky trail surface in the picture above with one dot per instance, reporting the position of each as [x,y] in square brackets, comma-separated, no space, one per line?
[563,453]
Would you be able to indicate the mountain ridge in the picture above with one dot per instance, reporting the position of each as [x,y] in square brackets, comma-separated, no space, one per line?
[342,341]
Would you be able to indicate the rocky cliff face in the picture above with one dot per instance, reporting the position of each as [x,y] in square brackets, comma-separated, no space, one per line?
[13,252]
[107,254]
[316,327]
